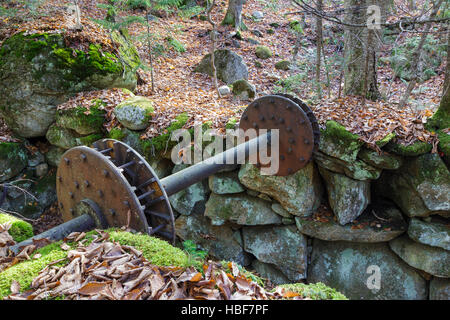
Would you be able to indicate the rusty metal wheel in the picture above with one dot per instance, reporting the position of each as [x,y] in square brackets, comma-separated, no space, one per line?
[296,134]
[120,182]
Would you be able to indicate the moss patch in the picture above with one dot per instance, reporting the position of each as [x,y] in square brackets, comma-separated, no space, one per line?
[315,291]
[415,149]
[81,119]
[20,230]
[263,52]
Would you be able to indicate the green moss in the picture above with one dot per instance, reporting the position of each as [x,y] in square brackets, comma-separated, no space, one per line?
[90,139]
[415,149]
[20,230]
[283,65]
[381,143]
[444,143]
[439,120]
[116,134]
[82,120]
[26,271]
[157,251]
[231,124]
[263,52]
[336,141]
[314,291]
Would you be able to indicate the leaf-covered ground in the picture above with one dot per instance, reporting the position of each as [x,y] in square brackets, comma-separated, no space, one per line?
[179,89]
[118,265]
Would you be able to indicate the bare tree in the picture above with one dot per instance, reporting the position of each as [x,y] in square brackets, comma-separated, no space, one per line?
[319,41]
[416,54]
[233,15]
[214,42]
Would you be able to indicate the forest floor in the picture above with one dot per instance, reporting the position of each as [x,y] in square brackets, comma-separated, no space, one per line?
[179,89]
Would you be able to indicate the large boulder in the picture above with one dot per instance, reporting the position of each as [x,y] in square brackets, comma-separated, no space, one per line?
[67,138]
[376,224]
[300,193]
[282,246]
[348,198]
[433,260]
[44,70]
[421,187]
[244,89]
[434,233]
[13,159]
[355,268]
[221,242]
[134,113]
[82,120]
[240,209]
[229,66]
[193,198]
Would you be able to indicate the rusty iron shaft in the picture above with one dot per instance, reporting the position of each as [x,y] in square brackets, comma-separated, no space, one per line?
[202,170]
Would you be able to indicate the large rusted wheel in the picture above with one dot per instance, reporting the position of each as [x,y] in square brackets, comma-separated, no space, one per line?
[125,189]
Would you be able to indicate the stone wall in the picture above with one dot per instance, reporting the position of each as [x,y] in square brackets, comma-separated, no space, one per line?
[372,225]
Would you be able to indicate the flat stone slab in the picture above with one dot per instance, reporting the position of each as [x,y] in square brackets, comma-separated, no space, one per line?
[435,233]
[376,224]
[433,260]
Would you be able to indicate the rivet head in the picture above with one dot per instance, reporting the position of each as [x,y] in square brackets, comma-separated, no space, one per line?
[289,150]
[61,205]
[281,120]
[272,117]
[67,161]
[60,179]
[290,170]
[302,121]
[126,203]
[291,140]
[282,157]
[100,193]
[83,157]
[306,141]
[77,185]
[261,117]
[86,183]
[71,195]
[245,117]
[256,105]
[112,212]
[289,129]
[105,172]
[302,159]
[255,125]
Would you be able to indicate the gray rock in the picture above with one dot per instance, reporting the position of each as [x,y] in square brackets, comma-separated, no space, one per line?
[134,113]
[240,209]
[368,228]
[356,169]
[435,234]
[35,158]
[221,242]
[299,193]
[224,91]
[82,120]
[225,183]
[348,198]
[67,138]
[230,66]
[439,289]
[270,272]
[349,268]
[191,199]
[243,89]
[421,187]
[13,159]
[258,15]
[41,170]
[278,208]
[40,78]
[434,260]
[384,160]
[283,246]
[54,155]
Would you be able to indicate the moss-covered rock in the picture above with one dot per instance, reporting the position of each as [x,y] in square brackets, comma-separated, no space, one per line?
[337,142]
[82,120]
[263,52]
[244,89]
[283,65]
[67,138]
[20,230]
[134,113]
[225,183]
[383,160]
[13,159]
[314,291]
[434,233]
[44,72]
[415,149]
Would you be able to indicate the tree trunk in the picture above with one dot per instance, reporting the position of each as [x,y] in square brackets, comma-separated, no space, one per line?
[319,48]
[360,55]
[233,16]
[445,101]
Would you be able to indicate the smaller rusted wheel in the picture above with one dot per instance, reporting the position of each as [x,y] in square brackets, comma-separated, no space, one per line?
[296,134]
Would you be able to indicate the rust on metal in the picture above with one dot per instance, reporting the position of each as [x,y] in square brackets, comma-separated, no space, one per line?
[295,129]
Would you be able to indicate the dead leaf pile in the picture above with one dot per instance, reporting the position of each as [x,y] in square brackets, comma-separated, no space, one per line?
[103,270]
